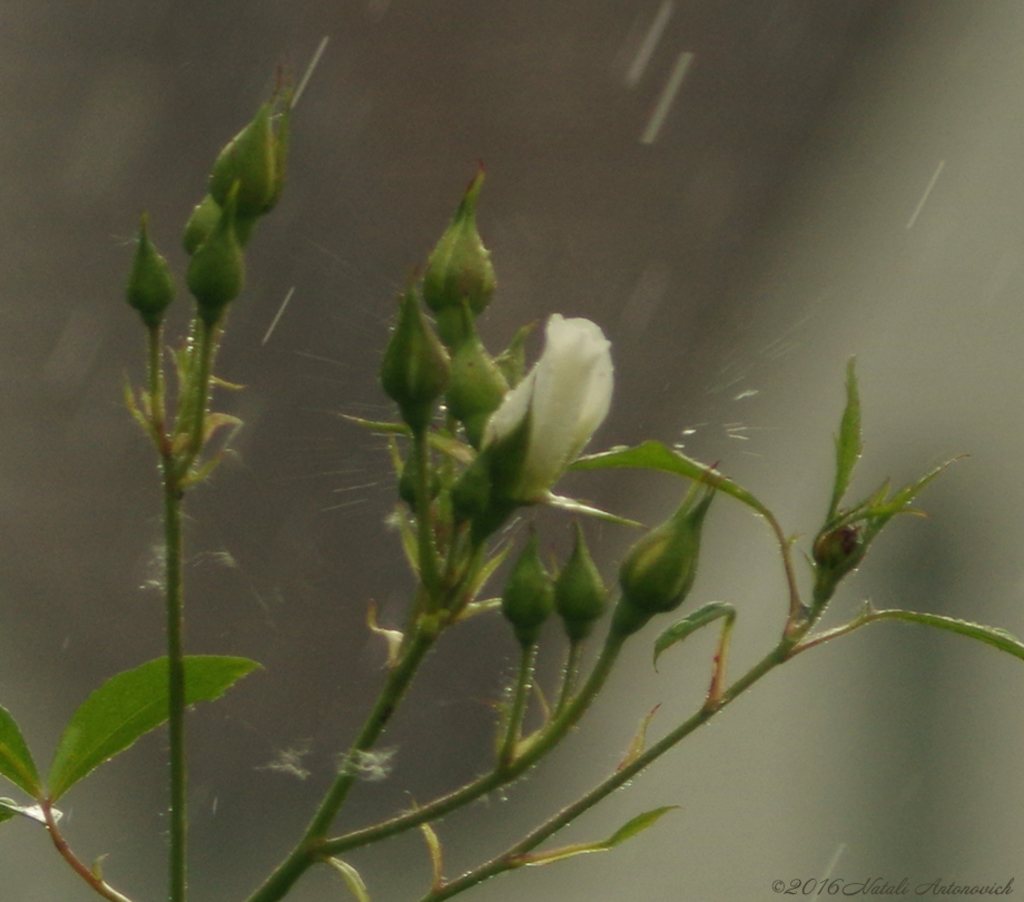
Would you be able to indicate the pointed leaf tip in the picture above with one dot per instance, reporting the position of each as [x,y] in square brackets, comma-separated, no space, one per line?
[128,706]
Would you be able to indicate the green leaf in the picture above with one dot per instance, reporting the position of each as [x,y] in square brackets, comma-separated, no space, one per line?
[352,878]
[691,623]
[990,635]
[630,829]
[128,706]
[848,442]
[15,759]
[652,455]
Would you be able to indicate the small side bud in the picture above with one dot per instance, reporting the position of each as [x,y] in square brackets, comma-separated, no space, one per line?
[529,596]
[217,271]
[459,268]
[659,570]
[201,223]
[836,552]
[415,370]
[580,596]
[477,386]
[150,285]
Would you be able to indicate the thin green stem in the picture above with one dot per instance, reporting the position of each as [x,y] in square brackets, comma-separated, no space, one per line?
[176,679]
[424,526]
[513,857]
[517,709]
[312,847]
[541,744]
[157,403]
[569,674]
[94,880]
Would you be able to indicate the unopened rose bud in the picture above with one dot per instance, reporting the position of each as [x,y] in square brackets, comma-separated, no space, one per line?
[580,596]
[254,158]
[659,570]
[459,270]
[836,552]
[529,596]
[201,223]
[415,369]
[477,386]
[150,286]
[217,271]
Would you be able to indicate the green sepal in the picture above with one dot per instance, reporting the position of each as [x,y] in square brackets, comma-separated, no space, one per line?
[129,705]
[691,623]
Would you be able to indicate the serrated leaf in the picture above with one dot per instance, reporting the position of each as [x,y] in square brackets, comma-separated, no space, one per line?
[653,455]
[627,831]
[15,759]
[692,622]
[352,878]
[990,635]
[130,705]
[848,442]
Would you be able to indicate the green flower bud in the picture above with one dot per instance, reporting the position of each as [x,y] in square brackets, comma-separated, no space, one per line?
[459,269]
[415,369]
[477,386]
[200,224]
[217,271]
[659,570]
[150,285]
[408,480]
[529,596]
[580,595]
[836,552]
[255,158]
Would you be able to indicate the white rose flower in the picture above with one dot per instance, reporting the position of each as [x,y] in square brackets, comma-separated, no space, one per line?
[560,403]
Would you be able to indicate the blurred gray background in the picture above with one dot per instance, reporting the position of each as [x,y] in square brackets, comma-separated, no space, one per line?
[743,193]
